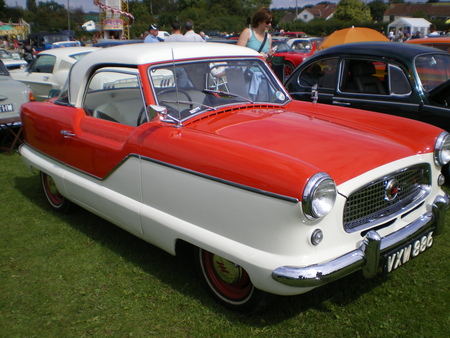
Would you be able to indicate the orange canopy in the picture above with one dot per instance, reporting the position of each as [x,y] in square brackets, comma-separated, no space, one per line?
[354,34]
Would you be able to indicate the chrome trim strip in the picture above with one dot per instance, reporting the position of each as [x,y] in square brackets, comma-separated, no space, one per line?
[367,256]
[213,178]
[220,180]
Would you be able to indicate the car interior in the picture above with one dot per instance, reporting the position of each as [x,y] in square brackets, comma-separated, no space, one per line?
[114,94]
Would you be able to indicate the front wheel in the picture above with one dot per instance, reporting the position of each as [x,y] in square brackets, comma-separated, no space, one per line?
[57,201]
[229,283]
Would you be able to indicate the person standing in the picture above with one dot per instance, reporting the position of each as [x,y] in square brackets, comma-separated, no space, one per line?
[176,33]
[28,51]
[153,34]
[257,36]
[190,34]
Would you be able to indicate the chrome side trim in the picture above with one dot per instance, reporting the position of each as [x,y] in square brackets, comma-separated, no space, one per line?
[367,256]
[189,171]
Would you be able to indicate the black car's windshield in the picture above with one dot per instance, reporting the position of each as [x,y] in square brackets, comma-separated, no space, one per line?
[190,88]
[433,70]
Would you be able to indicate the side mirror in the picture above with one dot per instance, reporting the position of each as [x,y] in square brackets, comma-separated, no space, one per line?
[155,110]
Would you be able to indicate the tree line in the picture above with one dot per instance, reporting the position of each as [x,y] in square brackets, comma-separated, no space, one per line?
[230,16]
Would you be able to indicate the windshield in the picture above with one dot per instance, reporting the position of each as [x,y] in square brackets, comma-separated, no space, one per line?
[433,70]
[190,88]
[55,38]
[4,54]
[3,70]
[281,45]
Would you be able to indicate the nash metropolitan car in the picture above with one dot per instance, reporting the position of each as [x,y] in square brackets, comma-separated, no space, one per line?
[200,144]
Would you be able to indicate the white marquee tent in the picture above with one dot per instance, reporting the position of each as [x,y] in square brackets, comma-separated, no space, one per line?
[411,25]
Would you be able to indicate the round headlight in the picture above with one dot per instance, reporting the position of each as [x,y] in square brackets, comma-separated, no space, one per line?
[319,196]
[442,149]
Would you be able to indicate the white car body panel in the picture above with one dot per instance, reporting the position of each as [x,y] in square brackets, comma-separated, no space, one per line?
[148,200]
[42,82]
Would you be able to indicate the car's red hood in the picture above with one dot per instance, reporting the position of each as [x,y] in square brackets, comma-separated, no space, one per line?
[342,148]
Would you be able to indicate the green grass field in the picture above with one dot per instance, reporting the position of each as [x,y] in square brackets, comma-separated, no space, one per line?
[77,275]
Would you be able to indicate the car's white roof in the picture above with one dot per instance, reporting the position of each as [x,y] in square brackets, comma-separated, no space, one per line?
[147,53]
[64,51]
[144,53]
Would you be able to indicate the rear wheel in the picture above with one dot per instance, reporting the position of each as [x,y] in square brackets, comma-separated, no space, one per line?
[288,69]
[56,200]
[229,283]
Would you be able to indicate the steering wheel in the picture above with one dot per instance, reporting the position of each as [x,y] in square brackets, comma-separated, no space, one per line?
[141,117]
[171,90]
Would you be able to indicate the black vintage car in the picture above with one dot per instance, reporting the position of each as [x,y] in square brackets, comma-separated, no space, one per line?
[394,78]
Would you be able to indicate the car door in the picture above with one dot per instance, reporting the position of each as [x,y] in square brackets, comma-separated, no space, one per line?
[433,72]
[377,85]
[103,142]
[39,76]
[315,80]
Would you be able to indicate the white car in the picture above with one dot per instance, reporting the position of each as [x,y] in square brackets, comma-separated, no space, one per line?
[50,69]
[12,95]
[200,144]
[12,60]
[304,44]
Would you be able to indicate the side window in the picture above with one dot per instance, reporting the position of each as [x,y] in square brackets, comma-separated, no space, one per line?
[397,81]
[44,64]
[364,76]
[323,73]
[115,95]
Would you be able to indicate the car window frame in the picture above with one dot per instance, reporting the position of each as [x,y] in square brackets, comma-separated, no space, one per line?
[301,85]
[344,64]
[34,66]
[90,111]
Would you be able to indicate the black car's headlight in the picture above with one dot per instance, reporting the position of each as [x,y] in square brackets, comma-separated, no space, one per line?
[442,149]
[319,196]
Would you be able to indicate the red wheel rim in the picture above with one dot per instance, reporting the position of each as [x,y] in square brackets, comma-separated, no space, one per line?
[227,278]
[51,190]
[288,70]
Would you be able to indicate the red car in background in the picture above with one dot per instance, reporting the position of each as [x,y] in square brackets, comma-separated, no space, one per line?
[291,58]
[442,43]
[294,34]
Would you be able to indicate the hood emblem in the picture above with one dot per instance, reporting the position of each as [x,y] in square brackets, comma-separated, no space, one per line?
[391,190]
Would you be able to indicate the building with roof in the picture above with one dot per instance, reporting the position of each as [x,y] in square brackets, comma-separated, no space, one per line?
[323,11]
[436,10]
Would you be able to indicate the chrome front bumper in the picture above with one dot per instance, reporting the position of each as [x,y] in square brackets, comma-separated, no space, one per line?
[367,256]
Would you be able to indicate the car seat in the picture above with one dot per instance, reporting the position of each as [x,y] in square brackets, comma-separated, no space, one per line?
[364,80]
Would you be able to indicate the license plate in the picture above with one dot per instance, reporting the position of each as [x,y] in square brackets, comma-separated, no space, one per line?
[403,254]
[4,108]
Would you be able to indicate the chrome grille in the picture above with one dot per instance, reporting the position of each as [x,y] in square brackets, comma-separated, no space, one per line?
[369,204]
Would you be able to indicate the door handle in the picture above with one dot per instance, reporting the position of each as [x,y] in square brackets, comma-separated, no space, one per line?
[67,134]
[339,103]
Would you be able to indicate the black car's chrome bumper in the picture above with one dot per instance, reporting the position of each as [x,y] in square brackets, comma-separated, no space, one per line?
[367,257]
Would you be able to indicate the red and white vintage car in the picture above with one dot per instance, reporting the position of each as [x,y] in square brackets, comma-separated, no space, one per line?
[201,144]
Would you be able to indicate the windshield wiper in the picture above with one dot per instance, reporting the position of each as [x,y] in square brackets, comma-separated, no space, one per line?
[225,95]
[190,103]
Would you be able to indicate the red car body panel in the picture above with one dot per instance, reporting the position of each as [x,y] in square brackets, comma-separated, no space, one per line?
[238,138]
